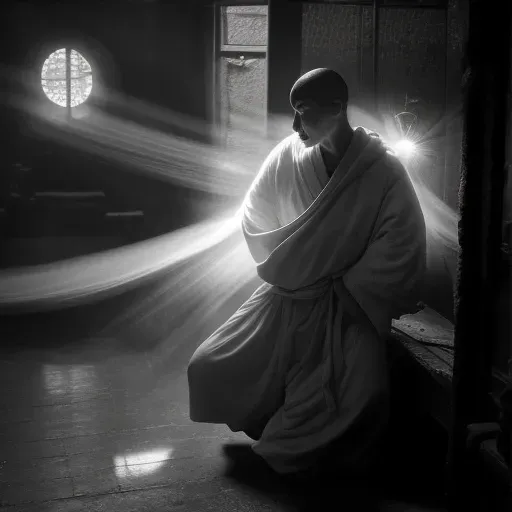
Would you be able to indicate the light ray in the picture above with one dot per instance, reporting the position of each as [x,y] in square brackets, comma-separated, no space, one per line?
[172,147]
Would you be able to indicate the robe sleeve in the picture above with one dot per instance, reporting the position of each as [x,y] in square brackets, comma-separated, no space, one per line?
[386,281]
[259,213]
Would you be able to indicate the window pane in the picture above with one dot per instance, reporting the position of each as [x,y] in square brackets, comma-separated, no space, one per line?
[244,25]
[243,92]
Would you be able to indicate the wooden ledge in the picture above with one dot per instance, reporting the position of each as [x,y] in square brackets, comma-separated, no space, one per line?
[423,342]
[428,337]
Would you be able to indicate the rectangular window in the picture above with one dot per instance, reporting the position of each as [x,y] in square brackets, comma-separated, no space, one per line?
[240,71]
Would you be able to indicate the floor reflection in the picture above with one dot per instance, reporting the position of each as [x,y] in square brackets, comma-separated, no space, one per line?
[141,463]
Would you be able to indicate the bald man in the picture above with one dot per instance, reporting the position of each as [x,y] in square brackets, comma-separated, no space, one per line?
[337,233]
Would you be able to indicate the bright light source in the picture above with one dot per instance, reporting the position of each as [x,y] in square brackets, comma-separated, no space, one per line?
[66,68]
[405,148]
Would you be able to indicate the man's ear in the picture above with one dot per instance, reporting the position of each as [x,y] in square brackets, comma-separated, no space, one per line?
[340,109]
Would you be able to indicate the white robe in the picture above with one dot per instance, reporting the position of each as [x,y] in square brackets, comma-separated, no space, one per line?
[305,355]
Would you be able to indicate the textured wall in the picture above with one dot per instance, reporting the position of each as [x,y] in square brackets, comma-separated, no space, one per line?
[245,25]
[339,37]
[420,54]
[243,91]
[412,48]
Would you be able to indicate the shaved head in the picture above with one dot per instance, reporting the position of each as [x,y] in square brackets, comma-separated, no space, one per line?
[322,86]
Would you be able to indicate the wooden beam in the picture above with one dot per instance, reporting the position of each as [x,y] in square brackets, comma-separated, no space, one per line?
[284,51]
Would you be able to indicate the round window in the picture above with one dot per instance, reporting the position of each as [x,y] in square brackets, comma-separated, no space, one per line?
[66,78]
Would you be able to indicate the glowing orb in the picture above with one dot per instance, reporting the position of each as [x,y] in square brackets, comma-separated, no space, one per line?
[66,68]
[405,148]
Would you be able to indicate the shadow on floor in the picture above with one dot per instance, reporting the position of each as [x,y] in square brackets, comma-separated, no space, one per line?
[301,494]
[410,471]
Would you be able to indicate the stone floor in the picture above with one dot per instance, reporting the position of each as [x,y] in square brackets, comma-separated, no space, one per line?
[94,416]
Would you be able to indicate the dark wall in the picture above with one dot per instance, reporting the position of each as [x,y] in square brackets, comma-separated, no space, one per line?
[151,51]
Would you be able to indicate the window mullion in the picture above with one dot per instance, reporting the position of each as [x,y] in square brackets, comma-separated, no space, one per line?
[68,80]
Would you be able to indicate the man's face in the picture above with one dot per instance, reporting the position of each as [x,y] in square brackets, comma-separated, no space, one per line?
[313,123]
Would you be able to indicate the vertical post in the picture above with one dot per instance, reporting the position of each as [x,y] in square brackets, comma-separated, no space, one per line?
[284,53]
[444,170]
[457,20]
[217,34]
[376,55]
[482,180]
[68,82]
[212,45]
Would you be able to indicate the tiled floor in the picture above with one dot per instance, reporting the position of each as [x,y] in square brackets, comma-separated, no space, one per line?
[95,417]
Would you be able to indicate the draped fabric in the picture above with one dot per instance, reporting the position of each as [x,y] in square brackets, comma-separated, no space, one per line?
[304,357]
